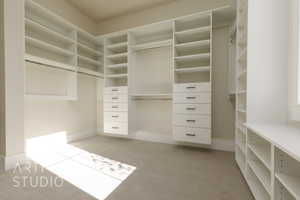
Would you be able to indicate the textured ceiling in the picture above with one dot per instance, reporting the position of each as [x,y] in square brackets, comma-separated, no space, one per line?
[99,10]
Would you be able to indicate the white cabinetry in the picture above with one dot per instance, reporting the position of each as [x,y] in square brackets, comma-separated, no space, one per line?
[192,79]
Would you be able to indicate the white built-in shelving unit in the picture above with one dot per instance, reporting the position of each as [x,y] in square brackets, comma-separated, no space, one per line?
[192,78]
[158,78]
[52,42]
[241,84]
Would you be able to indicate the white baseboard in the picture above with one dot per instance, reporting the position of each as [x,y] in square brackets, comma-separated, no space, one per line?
[217,143]
[81,135]
[11,162]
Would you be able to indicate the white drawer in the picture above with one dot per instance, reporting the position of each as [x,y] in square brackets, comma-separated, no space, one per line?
[193,135]
[115,107]
[119,128]
[116,116]
[193,98]
[116,90]
[192,87]
[116,98]
[200,121]
[204,109]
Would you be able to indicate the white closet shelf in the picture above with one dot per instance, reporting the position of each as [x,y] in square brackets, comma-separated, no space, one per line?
[89,60]
[89,72]
[192,32]
[291,183]
[193,57]
[49,14]
[151,45]
[241,160]
[242,92]
[49,47]
[89,49]
[87,36]
[201,43]
[118,46]
[117,56]
[241,110]
[262,154]
[43,29]
[152,96]
[49,97]
[116,75]
[48,62]
[193,69]
[117,66]
[258,192]
[262,175]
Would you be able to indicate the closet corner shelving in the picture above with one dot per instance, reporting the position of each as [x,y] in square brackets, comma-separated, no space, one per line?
[52,42]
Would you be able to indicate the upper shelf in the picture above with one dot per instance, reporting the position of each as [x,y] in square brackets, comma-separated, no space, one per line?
[150,45]
[49,47]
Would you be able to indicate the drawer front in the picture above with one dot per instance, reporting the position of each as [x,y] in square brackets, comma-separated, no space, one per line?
[119,128]
[117,98]
[193,98]
[116,116]
[200,121]
[115,107]
[192,87]
[204,109]
[193,135]
[116,90]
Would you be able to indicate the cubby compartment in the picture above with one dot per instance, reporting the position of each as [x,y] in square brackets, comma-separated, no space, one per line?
[152,36]
[116,39]
[281,193]
[287,173]
[260,148]
[193,22]
[258,190]
[241,141]
[196,77]
[262,173]
[240,158]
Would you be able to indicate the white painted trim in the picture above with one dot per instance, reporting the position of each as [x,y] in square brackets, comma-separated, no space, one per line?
[10,162]
[217,144]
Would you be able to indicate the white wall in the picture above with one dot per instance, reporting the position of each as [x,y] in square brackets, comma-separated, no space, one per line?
[43,117]
[267,61]
[294,109]
[156,14]
[70,13]
[223,108]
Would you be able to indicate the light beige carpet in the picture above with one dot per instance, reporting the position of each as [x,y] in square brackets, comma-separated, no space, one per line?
[163,172]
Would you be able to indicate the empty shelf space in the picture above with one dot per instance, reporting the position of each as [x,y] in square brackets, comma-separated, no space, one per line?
[193,21]
[41,29]
[262,174]
[47,62]
[89,72]
[89,49]
[193,57]
[193,69]
[291,183]
[192,35]
[116,75]
[89,60]
[150,45]
[262,153]
[202,43]
[117,56]
[256,187]
[117,66]
[240,159]
[119,47]
[48,47]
